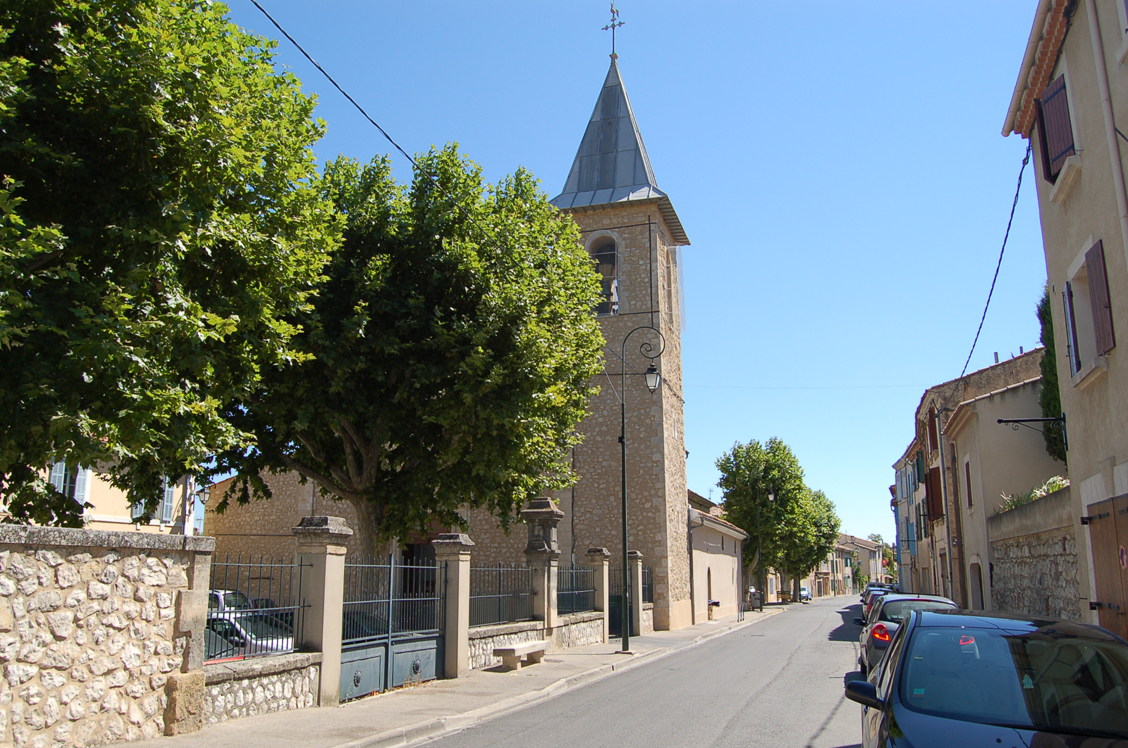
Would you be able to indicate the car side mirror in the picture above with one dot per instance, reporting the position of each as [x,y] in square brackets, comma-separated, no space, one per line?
[865,693]
[859,622]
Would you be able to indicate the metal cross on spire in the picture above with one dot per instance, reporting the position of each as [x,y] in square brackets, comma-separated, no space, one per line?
[615,23]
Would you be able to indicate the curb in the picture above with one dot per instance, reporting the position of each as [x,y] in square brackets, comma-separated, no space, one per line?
[440,726]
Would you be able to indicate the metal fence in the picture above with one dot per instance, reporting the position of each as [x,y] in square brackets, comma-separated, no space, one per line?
[647,584]
[389,600]
[615,600]
[575,589]
[253,607]
[500,594]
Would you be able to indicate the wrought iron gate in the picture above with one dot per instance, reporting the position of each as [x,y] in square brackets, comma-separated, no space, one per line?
[393,625]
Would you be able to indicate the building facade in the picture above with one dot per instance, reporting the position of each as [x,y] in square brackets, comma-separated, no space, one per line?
[1071,103]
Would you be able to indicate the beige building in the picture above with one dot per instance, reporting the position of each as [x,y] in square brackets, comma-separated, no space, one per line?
[716,563]
[992,460]
[1070,99]
[938,565]
[108,508]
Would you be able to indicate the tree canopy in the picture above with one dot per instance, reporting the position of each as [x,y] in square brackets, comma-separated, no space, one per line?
[1050,395]
[448,352]
[765,495]
[160,225]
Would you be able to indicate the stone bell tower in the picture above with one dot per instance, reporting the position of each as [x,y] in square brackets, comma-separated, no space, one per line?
[633,234]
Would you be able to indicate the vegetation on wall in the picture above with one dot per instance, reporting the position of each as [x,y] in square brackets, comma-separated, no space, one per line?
[1011,501]
[1050,395]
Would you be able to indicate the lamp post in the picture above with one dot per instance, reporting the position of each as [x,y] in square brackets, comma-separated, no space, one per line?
[653,380]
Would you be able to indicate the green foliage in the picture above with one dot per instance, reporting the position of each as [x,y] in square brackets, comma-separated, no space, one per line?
[860,581]
[1012,501]
[799,527]
[875,538]
[1050,395]
[160,223]
[448,361]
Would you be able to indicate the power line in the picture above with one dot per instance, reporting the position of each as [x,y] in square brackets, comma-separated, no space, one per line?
[1014,204]
[434,179]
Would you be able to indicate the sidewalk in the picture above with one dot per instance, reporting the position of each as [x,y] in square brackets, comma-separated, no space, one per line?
[397,718]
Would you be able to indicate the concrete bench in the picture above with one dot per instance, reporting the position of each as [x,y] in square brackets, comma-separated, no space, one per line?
[511,656]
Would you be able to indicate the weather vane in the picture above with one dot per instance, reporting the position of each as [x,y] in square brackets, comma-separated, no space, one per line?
[615,23]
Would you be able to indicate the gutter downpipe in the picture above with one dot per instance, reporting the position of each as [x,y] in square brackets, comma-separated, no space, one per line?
[1109,121]
[944,498]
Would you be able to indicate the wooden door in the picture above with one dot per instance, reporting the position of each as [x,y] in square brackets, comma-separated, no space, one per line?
[1108,531]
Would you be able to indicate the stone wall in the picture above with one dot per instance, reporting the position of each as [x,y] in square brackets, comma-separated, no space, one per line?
[97,633]
[647,618]
[578,630]
[1034,559]
[261,685]
[483,639]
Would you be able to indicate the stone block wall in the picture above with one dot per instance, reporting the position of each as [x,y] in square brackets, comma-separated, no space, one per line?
[648,618]
[261,685]
[578,630]
[483,639]
[1037,575]
[95,634]
[1034,559]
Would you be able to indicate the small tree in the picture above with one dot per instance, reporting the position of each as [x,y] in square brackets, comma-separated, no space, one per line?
[448,353]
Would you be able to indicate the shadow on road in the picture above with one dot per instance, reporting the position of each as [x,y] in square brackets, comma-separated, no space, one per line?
[847,631]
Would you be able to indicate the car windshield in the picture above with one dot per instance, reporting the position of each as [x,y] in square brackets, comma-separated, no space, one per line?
[1046,679]
[235,601]
[896,610]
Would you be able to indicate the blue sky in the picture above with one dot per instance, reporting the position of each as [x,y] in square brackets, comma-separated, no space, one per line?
[838,167]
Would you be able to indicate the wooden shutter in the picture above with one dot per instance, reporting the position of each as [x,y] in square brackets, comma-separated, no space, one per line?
[932,429]
[967,474]
[81,478]
[58,477]
[935,500]
[1099,299]
[1056,128]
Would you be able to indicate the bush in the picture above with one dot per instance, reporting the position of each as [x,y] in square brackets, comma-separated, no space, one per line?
[1013,501]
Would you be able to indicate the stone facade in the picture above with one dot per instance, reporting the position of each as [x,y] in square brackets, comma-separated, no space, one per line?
[647,618]
[576,630]
[92,636]
[484,638]
[260,686]
[1034,559]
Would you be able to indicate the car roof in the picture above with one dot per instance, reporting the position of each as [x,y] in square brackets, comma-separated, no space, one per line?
[1012,622]
[910,596]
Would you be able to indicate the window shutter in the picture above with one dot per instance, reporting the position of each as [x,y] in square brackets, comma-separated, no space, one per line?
[168,501]
[1099,299]
[59,476]
[1070,329]
[932,430]
[137,511]
[1056,128]
[80,479]
[967,475]
[935,501]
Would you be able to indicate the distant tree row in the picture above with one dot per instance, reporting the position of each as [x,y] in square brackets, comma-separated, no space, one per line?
[766,496]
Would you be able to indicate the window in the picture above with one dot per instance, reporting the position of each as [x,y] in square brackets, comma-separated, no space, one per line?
[168,501]
[1088,335]
[967,478]
[605,255]
[1055,130]
[70,481]
[932,441]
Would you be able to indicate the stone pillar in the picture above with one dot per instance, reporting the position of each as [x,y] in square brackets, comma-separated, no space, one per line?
[634,561]
[598,559]
[453,548]
[186,690]
[321,552]
[543,555]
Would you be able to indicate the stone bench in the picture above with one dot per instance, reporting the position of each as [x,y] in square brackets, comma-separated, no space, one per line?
[511,656]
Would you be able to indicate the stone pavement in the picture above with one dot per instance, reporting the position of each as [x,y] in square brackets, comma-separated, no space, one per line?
[400,717]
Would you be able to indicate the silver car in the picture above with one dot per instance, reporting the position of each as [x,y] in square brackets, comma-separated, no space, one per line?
[884,617]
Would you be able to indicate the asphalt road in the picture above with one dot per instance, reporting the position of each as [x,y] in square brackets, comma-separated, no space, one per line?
[776,683]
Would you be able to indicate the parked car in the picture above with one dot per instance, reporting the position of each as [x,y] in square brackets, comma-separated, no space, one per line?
[253,633]
[870,586]
[871,598]
[217,646]
[804,594]
[956,678]
[885,617]
[223,601]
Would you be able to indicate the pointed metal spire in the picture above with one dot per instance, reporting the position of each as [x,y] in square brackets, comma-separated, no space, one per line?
[611,164]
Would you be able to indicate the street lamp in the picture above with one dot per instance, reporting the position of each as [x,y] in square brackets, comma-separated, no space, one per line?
[653,379]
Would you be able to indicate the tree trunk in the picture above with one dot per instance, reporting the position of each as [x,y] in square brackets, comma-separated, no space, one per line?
[364,534]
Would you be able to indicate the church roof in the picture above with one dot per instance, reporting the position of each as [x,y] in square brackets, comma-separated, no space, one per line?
[611,165]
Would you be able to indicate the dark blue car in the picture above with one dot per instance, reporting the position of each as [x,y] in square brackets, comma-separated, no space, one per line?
[960,678]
